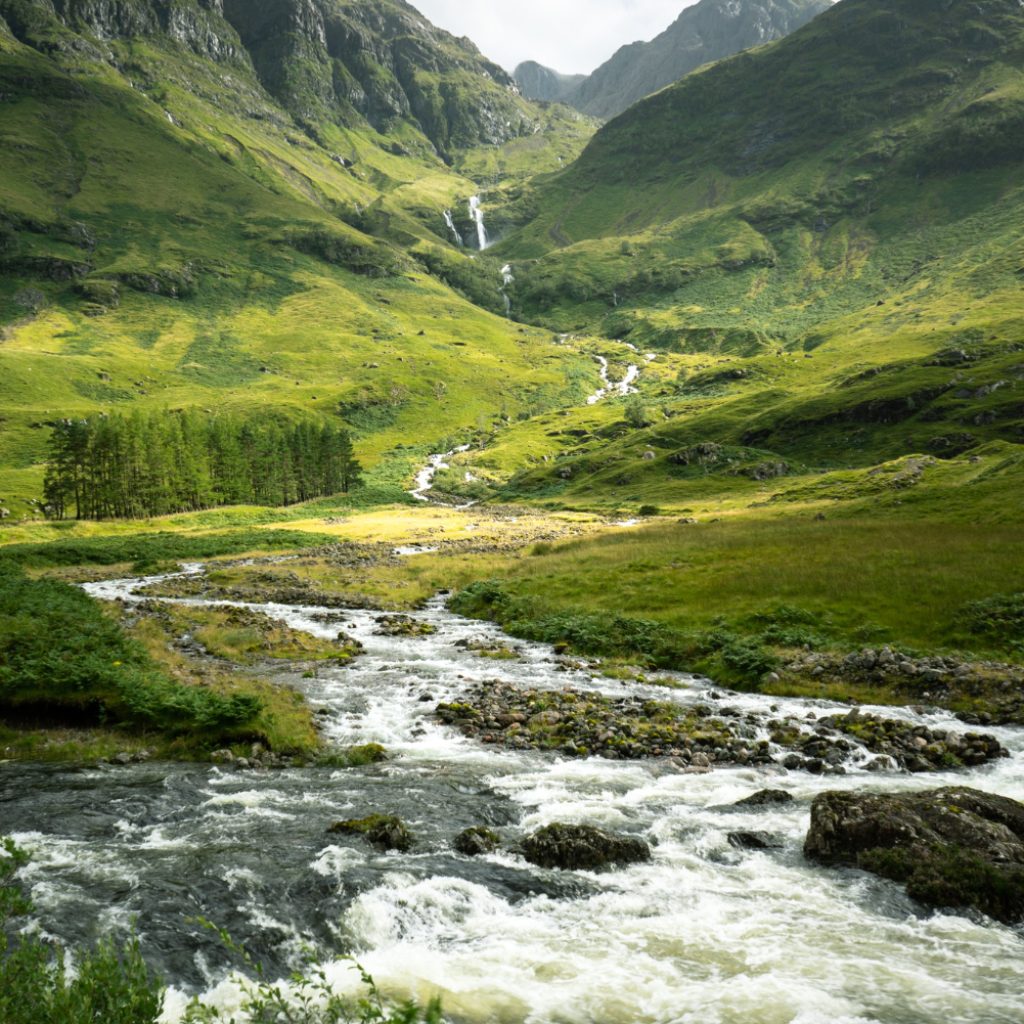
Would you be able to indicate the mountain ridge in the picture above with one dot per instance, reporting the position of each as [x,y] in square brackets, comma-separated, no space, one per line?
[705,32]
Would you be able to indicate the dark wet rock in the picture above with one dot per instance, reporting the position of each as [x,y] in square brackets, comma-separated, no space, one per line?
[754,841]
[385,831]
[765,798]
[475,842]
[953,848]
[583,848]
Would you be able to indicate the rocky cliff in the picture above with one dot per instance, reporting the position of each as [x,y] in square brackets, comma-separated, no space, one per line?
[326,61]
[540,83]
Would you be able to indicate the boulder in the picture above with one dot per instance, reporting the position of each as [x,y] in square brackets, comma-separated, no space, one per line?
[384,831]
[765,798]
[476,841]
[955,848]
[754,841]
[583,848]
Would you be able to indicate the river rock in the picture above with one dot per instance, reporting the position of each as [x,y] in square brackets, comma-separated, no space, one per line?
[765,798]
[385,831]
[754,841]
[583,848]
[475,842]
[955,848]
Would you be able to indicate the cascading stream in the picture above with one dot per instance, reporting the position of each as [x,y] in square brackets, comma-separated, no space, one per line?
[477,213]
[703,933]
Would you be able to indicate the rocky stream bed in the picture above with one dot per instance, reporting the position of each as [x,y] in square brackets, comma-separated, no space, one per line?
[571,848]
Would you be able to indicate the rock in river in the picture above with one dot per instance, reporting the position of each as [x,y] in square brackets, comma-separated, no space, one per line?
[582,848]
[384,831]
[475,842]
[954,848]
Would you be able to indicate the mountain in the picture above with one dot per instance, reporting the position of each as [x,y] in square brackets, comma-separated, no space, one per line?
[706,32]
[243,206]
[537,82]
[827,229]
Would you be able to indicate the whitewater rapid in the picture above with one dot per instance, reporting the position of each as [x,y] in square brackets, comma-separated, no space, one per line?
[704,933]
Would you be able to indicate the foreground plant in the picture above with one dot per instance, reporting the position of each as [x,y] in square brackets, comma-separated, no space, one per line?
[307,998]
[42,983]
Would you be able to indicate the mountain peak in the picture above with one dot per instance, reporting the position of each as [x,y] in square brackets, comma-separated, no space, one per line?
[708,31]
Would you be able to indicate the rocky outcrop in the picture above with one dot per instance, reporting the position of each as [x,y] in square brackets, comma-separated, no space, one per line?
[381,62]
[325,61]
[953,848]
[583,848]
[540,83]
[196,24]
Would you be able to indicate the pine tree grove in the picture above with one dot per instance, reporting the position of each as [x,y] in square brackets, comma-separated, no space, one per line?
[151,464]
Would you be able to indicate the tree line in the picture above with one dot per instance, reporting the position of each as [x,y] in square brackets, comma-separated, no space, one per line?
[152,464]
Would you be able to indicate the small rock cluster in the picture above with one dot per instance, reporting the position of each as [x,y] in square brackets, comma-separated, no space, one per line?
[698,738]
[583,724]
[935,679]
[896,744]
[258,758]
[404,625]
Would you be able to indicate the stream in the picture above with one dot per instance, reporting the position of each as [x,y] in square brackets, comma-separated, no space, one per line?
[704,933]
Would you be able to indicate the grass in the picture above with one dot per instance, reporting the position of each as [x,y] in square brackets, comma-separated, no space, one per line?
[723,598]
[75,682]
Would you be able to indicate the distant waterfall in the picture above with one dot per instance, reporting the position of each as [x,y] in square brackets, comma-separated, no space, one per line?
[507,278]
[451,227]
[478,217]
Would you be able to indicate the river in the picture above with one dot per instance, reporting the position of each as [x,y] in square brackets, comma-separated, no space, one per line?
[704,933]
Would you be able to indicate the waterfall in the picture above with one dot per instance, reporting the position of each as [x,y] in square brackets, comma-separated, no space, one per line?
[451,227]
[507,278]
[477,214]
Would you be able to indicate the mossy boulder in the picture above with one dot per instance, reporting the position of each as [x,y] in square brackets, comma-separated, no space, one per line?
[385,831]
[476,841]
[583,848]
[954,848]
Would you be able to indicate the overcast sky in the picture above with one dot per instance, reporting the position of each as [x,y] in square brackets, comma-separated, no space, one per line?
[572,36]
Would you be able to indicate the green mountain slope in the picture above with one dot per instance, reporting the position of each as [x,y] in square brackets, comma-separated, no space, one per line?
[172,235]
[827,232]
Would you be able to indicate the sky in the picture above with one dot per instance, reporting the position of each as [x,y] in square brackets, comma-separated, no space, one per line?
[571,36]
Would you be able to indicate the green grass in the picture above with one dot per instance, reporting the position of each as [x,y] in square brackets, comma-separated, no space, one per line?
[844,582]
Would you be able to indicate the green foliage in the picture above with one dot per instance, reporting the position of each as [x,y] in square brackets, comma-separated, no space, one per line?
[596,634]
[62,658]
[115,986]
[950,876]
[38,986]
[152,464]
[638,415]
[998,617]
[153,551]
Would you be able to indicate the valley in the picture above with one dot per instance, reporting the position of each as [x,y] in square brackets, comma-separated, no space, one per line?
[512,531]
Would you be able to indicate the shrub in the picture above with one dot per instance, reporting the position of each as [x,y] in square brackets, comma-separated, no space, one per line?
[1000,618]
[62,656]
[37,987]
